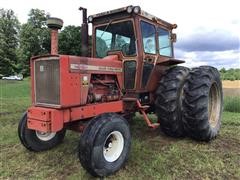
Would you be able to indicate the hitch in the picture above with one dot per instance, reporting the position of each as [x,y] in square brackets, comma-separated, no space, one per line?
[142,109]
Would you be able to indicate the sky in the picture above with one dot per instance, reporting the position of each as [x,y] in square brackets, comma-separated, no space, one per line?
[208,31]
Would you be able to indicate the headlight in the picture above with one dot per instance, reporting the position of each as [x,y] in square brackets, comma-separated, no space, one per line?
[90,19]
[129,9]
[136,9]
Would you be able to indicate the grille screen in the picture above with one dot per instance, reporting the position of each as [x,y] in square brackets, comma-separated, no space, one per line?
[147,69]
[47,85]
[129,74]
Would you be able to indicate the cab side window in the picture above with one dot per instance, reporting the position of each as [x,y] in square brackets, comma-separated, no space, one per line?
[165,47]
[148,37]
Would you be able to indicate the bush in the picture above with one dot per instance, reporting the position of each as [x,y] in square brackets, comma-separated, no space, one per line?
[230,74]
[231,78]
[232,104]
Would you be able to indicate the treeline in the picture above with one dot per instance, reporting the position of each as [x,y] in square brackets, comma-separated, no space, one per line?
[19,42]
[230,74]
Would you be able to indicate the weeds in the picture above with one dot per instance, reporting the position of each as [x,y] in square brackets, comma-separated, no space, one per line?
[232,104]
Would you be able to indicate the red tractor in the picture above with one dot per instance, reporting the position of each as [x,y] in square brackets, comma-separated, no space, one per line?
[131,69]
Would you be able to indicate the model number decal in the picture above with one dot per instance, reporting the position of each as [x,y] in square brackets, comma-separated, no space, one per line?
[94,68]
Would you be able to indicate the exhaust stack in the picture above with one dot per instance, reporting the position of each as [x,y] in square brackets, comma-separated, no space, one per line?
[54,24]
[84,32]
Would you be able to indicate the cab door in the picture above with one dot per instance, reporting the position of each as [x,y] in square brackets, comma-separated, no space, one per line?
[148,35]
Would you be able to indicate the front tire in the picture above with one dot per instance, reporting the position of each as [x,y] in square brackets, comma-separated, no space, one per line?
[104,145]
[36,140]
[168,104]
[203,103]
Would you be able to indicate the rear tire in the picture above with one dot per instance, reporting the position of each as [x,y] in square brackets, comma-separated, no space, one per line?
[168,104]
[36,140]
[203,103]
[104,145]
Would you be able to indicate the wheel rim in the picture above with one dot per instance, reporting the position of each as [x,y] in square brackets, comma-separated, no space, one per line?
[45,136]
[113,146]
[214,105]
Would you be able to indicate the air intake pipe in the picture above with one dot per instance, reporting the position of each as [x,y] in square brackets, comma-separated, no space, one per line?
[84,32]
[54,24]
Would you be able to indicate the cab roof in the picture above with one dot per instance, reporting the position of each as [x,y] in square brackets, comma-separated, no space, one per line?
[130,10]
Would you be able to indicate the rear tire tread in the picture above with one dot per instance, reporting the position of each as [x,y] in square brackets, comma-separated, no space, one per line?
[169,100]
[195,104]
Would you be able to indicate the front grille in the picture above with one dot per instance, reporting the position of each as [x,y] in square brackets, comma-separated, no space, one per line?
[47,81]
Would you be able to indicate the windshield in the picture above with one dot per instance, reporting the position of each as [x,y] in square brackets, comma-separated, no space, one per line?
[115,36]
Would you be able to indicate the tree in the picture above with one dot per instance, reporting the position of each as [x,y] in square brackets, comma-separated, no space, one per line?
[70,40]
[34,38]
[38,18]
[230,74]
[223,70]
[9,28]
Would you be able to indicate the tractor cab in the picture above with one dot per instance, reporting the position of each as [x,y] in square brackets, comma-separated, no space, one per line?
[140,40]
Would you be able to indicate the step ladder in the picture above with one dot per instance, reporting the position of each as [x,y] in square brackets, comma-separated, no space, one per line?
[142,109]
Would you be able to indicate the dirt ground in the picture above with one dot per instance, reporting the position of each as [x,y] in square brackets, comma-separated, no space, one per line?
[231,84]
[231,88]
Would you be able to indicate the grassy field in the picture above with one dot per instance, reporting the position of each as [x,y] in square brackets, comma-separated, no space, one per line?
[153,155]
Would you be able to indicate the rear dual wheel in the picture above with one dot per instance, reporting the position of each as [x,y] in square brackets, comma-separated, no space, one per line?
[202,104]
[189,102]
[168,102]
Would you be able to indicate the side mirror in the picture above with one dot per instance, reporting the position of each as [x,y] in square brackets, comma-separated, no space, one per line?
[174,37]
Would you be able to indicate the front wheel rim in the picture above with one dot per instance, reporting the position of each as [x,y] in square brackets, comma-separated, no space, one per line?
[113,146]
[45,136]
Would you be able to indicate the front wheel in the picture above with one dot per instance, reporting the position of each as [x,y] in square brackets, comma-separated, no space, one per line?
[104,145]
[37,140]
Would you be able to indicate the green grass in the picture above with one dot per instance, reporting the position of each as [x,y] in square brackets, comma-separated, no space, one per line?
[153,155]
[232,104]
[14,96]
[14,89]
